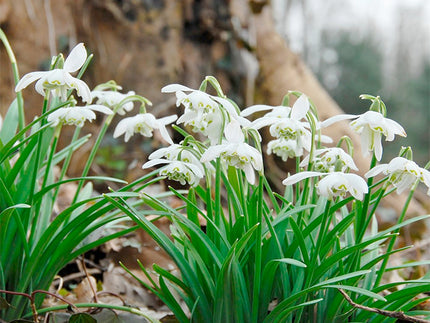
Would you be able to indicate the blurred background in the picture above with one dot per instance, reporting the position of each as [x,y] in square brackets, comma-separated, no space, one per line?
[368,46]
[258,49]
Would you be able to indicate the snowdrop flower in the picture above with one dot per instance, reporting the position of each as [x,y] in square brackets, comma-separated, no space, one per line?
[177,152]
[113,98]
[284,148]
[279,111]
[334,184]
[291,129]
[286,125]
[330,160]
[402,173]
[371,125]
[177,170]
[235,152]
[297,112]
[59,80]
[76,115]
[202,111]
[144,123]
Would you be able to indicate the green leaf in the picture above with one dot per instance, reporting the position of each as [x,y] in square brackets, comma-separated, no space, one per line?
[11,208]
[291,261]
[400,225]
[10,123]
[283,315]
[409,264]
[82,318]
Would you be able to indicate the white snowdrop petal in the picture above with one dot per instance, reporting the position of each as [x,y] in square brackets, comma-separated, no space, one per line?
[255,108]
[100,108]
[167,120]
[337,118]
[300,108]
[121,127]
[211,153]
[174,88]
[377,145]
[27,79]
[76,58]
[164,134]
[290,180]
[154,162]
[376,170]
[233,132]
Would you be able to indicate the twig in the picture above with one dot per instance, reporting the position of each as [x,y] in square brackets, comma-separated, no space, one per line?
[396,315]
[84,267]
[74,276]
[31,298]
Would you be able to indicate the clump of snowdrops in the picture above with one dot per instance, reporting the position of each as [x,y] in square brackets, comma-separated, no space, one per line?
[245,253]
[37,238]
[313,253]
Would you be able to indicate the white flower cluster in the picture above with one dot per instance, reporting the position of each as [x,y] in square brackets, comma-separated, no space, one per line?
[229,132]
[293,135]
[371,125]
[59,83]
[182,165]
[205,113]
[402,173]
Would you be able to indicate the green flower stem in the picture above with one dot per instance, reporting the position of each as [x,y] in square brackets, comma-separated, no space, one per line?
[66,162]
[218,215]
[41,219]
[375,206]
[321,234]
[363,218]
[15,72]
[128,309]
[93,154]
[209,201]
[298,186]
[394,238]
[258,250]
[37,160]
[325,223]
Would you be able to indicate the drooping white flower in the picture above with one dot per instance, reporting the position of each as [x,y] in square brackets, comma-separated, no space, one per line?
[113,98]
[402,173]
[235,152]
[284,148]
[330,160]
[291,129]
[144,123]
[205,113]
[178,170]
[59,80]
[76,115]
[287,126]
[339,183]
[334,184]
[177,152]
[371,125]
[297,112]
